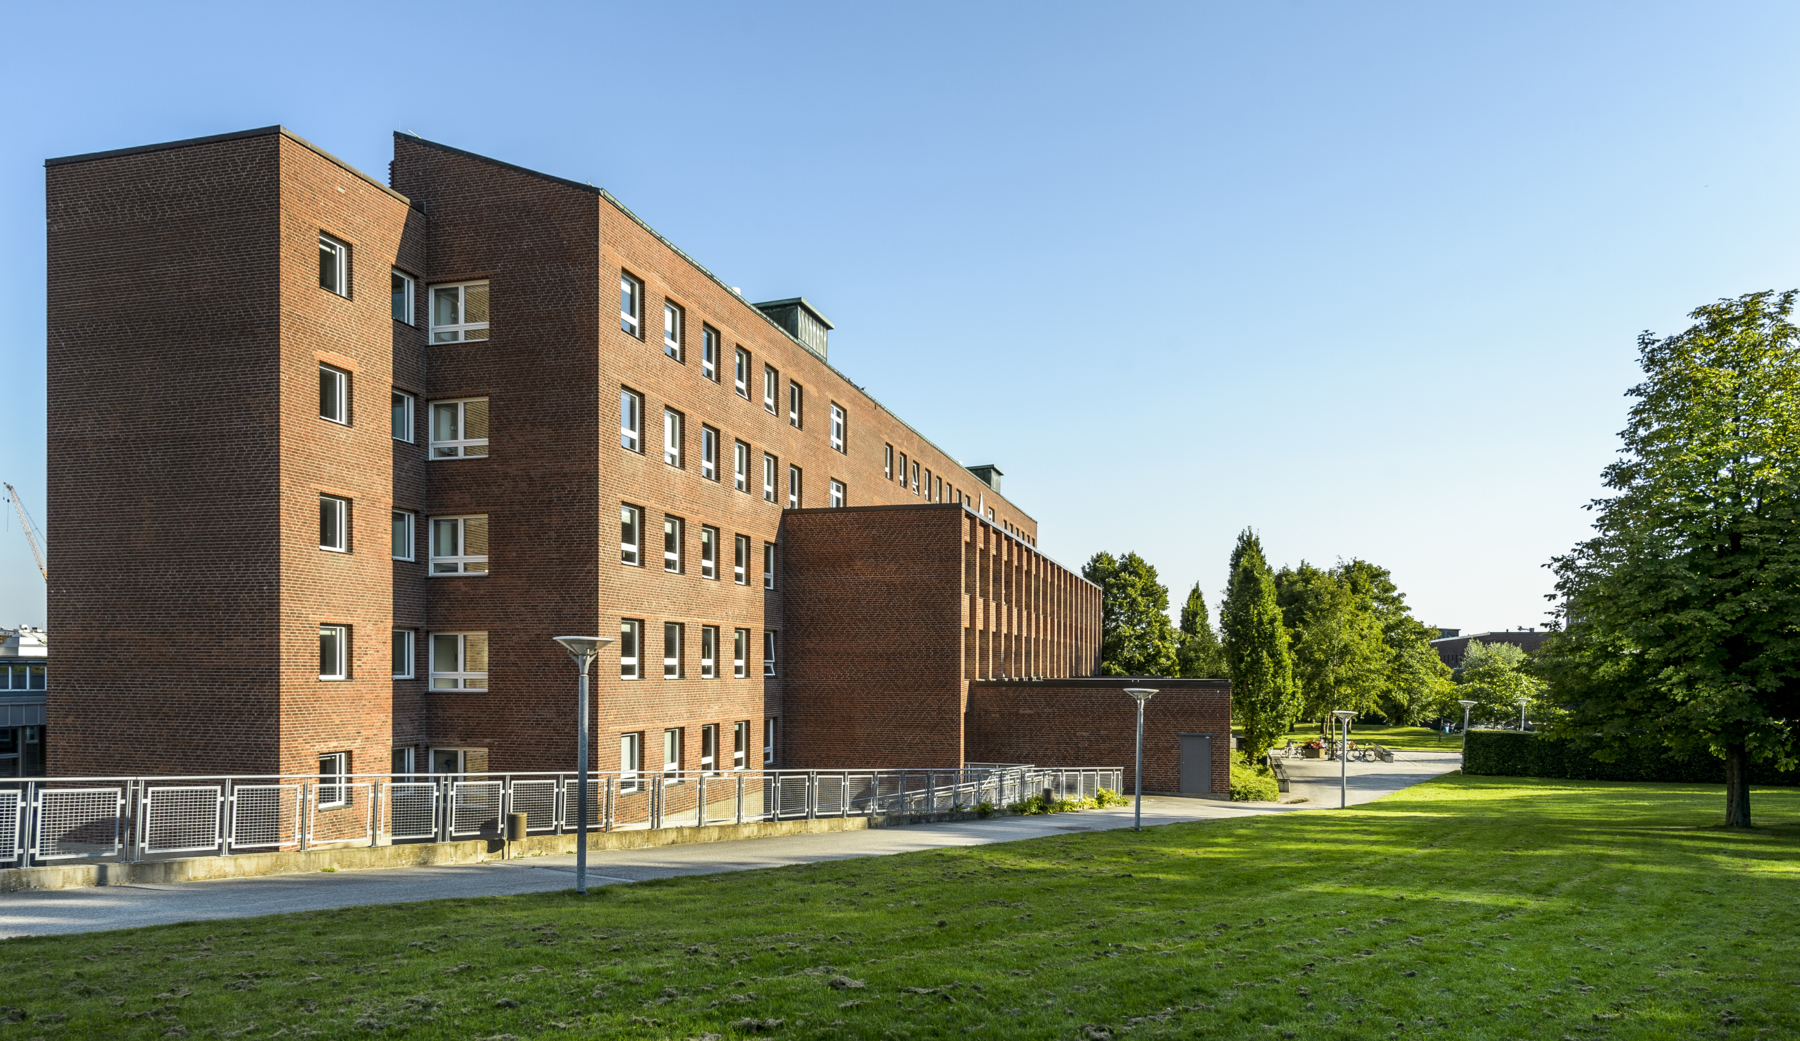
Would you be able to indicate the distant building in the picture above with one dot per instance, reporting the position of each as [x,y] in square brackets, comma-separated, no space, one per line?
[24,663]
[1452,647]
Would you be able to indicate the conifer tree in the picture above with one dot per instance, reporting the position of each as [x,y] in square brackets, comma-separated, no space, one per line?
[1202,657]
[1264,696]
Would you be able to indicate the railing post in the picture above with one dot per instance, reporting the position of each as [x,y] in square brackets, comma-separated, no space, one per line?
[740,797]
[227,807]
[305,815]
[700,799]
[31,813]
[375,812]
[844,796]
[812,794]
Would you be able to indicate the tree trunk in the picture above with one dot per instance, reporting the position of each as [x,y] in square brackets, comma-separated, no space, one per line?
[1737,786]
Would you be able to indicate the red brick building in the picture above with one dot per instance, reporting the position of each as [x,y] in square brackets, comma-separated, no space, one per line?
[258,570]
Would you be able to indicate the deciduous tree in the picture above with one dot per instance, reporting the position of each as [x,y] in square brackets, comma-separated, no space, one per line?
[1136,637]
[1264,698]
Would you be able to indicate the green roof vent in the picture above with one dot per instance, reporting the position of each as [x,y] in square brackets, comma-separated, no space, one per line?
[802,321]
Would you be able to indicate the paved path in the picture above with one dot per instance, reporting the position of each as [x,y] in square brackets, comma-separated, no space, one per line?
[118,907]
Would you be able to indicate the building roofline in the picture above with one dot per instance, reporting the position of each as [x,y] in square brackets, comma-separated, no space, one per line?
[237,135]
[801,301]
[970,510]
[1161,683]
[731,293]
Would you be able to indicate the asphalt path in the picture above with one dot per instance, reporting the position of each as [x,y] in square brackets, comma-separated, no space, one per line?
[1315,786]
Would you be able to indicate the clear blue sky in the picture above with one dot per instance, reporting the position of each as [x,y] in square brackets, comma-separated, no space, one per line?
[1364,277]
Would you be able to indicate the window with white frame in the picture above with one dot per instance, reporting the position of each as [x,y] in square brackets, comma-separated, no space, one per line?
[459,429]
[403,535]
[740,653]
[709,352]
[768,742]
[334,780]
[915,478]
[768,565]
[837,493]
[938,494]
[839,426]
[770,638]
[902,469]
[631,761]
[631,632]
[672,755]
[770,469]
[334,265]
[771,389]
[459,546]
[740,743]
[403,297]
[401,422]
[631,305]
[796,405]
[459,313]
[631,534]
[334,523]
[740,560]
[927,485]
[709,748]
[887,462]
[709,552]
[403,654]
[459,661]
[740,462]
[672,317]
[672,437]
[334,394]
[334,652]
[740,378]
[709,453]
[709,652]
[631,420]
[404,762]
[793,487]
[672,634]
[672,543]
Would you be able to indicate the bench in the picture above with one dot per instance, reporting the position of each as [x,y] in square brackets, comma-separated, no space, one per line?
[1281,775]
[1383,754]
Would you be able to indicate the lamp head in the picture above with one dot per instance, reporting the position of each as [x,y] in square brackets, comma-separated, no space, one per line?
[1466,703]
[1141,693]
[1343,715]
[582,647]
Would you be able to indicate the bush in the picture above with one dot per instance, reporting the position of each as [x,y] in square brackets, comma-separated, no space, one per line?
[1035,805]
[984,809]
[1107,797]
[1508,753]
[1252,783]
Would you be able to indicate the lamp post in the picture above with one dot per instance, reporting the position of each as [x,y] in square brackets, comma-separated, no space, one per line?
[1522,715]
[1344,716]
[584,649]
[1467,705]
[1142,694]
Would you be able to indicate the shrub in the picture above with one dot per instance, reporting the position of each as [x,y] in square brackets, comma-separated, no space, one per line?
[1035,804]
[1508,753]
[1252,783]
[1107,797]
[984,809]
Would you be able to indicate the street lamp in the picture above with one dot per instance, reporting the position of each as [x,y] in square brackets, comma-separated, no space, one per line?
[1467,705]
[584,649]
[1344,716]
[1522,714]
[1142,694]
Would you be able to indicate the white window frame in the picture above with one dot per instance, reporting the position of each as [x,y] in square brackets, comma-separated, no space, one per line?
[405,295]
[401,416]
[338,668]
[674,534]
[740,462]
[837,493]
[631,638]
[709,453]
[631,305]
[709,652]
[769,742]
[796,405]
[768,565]
[631,760]
[740,653]
[887,464]
[672,742]
[741,374]
[839,426]
[631,552]
[674,635]
[771,638]
[928,484]
[740,559]
[740,743]
[709,748]
[771,390]
[631,420]
[340,508]
[339,382]
[405,533]
[459,678]
[915,477]
[709,552]
[672,438]
[463,330]
[462,446]
[405,657]
[337,268]
[672,321]
[795,480]
[460,563]
[334,793]
[709,352]
[902,469]
[771,477]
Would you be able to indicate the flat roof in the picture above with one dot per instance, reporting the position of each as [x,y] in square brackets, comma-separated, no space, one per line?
[238,135]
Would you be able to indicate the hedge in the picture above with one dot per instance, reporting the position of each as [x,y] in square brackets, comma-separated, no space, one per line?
[1508,753]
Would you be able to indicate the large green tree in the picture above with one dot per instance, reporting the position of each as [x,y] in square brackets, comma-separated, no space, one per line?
[1201,654]
[1495,677]
[1681,616]
[1136,637]
[1265,700]
[1340,658]
[1415,681]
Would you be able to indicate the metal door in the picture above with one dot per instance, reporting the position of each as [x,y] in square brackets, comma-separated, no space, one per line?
[1196,763]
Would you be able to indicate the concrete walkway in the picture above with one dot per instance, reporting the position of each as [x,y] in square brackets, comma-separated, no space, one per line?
[119,907]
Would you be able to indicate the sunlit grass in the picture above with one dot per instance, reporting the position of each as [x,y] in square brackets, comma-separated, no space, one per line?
[1462,908]
[1416,739]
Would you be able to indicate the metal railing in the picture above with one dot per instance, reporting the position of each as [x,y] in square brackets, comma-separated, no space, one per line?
[59,819]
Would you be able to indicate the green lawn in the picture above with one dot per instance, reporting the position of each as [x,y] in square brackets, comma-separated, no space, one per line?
[1416,739]
[1463,908]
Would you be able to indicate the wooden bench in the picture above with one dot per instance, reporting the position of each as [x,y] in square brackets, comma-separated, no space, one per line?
[1383,754]
[1281,775]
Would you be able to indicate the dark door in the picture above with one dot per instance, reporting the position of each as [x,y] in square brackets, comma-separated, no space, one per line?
[1196,763]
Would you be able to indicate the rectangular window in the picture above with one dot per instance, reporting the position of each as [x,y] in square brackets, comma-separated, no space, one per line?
[403,298]
[887,462]
[334,524]
[740,377]
[769,479]
[928,485]
[709,553]
[769,641]
[740,560]
[631,420]
[740,462]
[459,429]
[334,773]
[672,633]
[631,534]
[709,652]
[768,565]
[402,420]
[793,487]
[902,469]
[334,652]
[771,389]
[334,394]
[630,631]
[672,317]
[837,494]
[334,265]
[459,546]
[672,543]
[404,764]
[403,535]
[839,426]
[915,478]
[709,453]
[768,742]
[740,653]
[672,755]
[709,352]
[459,661]
[631,305]
[709,748]
[631,761]
[938,496]
[740,743]
[672,437]
[403,654]
[796,405]
[459,313]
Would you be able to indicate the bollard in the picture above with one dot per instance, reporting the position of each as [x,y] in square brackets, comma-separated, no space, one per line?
[515,829]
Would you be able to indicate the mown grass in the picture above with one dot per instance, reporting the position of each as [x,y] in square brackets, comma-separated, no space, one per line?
[1462,908]
[1414,739]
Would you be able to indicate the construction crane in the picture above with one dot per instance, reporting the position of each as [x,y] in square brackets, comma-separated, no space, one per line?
[25,522]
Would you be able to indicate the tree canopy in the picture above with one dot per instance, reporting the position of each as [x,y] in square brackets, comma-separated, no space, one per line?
[1201,655]
[1495,677]
[1264,698]
[1136,637]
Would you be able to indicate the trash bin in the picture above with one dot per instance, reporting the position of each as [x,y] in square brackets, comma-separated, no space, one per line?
[515,827]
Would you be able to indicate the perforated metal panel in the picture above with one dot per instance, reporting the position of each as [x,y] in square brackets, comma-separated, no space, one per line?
[182,819]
